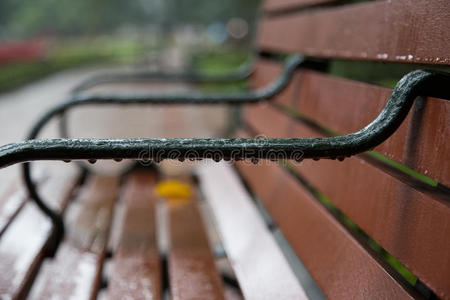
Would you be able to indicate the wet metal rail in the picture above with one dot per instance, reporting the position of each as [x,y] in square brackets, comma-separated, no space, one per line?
[412,85]
[240,74]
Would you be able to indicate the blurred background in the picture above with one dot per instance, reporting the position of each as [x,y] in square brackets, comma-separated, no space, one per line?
[38,37]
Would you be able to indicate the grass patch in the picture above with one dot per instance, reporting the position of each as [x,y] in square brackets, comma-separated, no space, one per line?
[220,62]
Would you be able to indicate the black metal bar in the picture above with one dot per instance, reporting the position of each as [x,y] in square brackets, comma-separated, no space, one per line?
[240,74]
[291,63]
[243,72]
[417,83]
[412,85]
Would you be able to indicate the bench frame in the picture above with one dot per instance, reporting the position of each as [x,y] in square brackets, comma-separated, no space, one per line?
[414,84]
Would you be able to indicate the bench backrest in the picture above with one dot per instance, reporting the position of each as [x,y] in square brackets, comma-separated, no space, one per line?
[377,224]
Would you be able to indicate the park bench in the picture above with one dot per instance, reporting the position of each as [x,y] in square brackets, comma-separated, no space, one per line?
[296,218]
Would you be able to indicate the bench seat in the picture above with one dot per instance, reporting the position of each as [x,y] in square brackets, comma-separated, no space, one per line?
[87,264]
[374,225]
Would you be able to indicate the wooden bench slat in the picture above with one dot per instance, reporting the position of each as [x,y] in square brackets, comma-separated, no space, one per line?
[419,221]
[22,246]
[76,269]
[396,31]
[12,201]
[259,264]
[192,269]
[266,72]
[339,264]
[136,269]
[74,273]
[10,204]
[285,5]
[346,106]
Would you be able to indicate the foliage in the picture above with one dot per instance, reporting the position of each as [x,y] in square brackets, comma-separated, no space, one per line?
[217,62]
[67,17]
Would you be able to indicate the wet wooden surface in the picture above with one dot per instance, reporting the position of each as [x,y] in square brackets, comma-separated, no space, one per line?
[395,31]
[136,268]
[192,270]
[76,269]
[339,264]
[345,106]
[10,204]
[266,72]
[413,226]
[22,246]
[261,268]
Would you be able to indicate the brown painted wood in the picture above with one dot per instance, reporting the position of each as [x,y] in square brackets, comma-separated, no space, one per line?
[285,5]
[421,143]
[12,200]
[345,106]
[76,269]
[192,270]
[136,269]
[396,31]
[410,225]
[22,246]
[339,264]
[259,264]
[266,72]
[10,204]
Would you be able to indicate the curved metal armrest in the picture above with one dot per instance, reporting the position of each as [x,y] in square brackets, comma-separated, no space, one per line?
[243,72]
[292,63]
[417,83]
[21,151]
[412,85]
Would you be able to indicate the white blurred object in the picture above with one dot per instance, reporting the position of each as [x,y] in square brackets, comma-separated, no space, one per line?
[237,28]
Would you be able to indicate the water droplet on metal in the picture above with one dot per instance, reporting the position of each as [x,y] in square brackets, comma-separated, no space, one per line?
[92,161]
[299,160]
[341,158]
[67,160]
[180,159]
[117,159]
[316,158]
[333,157]
[255,160]
[217,159]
